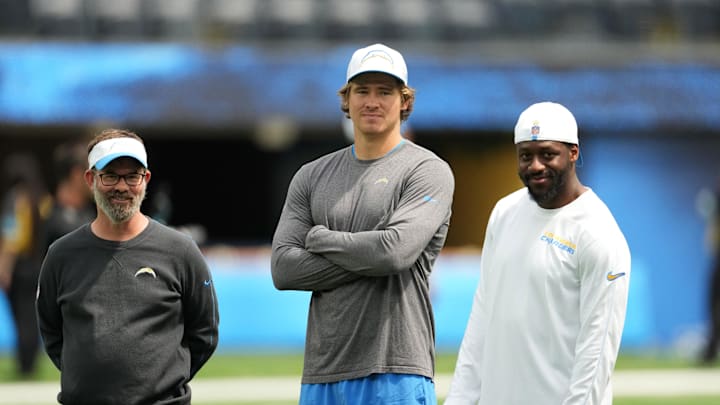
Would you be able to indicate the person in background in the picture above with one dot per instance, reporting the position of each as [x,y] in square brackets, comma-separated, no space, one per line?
[72,202]
[549,310]
[25,206]
[361,228]
[126,306]
[710,351]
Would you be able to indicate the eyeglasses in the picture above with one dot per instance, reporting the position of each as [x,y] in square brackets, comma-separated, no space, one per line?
[131,179]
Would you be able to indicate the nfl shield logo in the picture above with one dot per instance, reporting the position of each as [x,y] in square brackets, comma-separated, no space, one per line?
[535,130]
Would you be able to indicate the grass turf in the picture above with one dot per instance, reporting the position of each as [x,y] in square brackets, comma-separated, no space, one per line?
[290,364]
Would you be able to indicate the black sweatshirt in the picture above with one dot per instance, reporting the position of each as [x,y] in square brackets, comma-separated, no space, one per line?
[127,322]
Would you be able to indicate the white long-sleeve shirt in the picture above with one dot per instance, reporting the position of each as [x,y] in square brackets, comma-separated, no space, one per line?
[548,313]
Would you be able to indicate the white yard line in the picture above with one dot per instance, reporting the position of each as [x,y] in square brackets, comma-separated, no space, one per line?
[626,383]
[643,383]
[246,389]
[635,383]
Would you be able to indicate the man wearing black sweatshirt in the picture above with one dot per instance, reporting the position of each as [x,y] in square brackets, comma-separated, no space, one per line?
[126,306]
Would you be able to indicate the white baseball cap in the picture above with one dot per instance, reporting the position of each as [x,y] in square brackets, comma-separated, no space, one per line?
[110,149]
[378,58]
[546,121]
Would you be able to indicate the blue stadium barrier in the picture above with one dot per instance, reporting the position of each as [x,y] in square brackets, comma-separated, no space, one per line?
[254,316]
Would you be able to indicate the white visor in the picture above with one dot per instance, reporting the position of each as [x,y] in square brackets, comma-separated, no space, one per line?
[110,149]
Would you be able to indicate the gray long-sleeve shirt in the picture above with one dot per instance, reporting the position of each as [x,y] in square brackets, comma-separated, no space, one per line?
[127,322]
[363,237]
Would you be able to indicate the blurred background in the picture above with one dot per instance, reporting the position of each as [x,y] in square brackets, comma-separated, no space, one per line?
[232,96]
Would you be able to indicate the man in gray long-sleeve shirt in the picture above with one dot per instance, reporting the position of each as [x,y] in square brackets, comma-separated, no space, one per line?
[361,228]
[126,306]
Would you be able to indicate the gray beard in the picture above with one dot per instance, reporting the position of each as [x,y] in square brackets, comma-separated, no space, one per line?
[116,213]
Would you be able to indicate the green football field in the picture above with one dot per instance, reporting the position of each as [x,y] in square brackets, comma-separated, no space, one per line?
[223,365]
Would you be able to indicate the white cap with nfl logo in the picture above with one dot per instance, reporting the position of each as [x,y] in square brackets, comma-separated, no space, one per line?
[546,121]
[378,58]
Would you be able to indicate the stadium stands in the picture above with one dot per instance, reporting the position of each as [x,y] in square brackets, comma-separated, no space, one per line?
[229,18]
[115,19]
[331,20]
[171,19]
[349,18]
[55,18]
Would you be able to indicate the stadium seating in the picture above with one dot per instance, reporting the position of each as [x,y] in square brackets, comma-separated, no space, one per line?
[53,18]
[171,19]
[361,20]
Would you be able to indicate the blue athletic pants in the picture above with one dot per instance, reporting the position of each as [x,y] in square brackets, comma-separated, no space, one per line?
[376,389]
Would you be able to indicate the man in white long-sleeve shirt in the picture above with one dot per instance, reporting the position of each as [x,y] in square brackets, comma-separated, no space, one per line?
[548,313]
